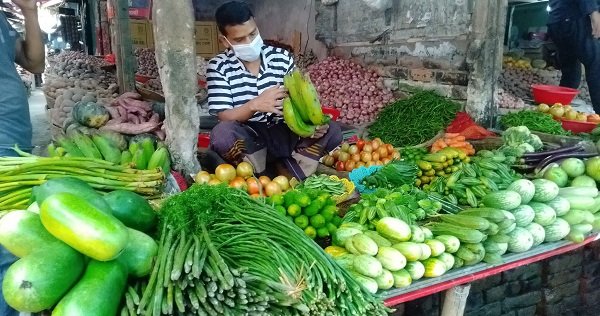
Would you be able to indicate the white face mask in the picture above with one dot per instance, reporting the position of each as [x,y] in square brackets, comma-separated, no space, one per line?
[248,52]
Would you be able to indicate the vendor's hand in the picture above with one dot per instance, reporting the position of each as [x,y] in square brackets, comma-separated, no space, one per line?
[270,101]
[595,18]
[26,5]
[320,131]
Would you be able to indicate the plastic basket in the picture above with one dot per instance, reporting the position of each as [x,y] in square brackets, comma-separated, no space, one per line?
[348,185]
[358,175]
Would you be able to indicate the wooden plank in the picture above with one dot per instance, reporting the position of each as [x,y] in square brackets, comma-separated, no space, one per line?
[426,287]
[122,46]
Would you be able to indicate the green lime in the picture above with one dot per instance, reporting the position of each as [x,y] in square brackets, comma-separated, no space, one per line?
[301,221]
[294,210]
[310,232]
[317,221]
[289,198]
[277,199]
[337,221]
[303,200]
[313,208]
[281,210]
[331,228]
[329,212]
[290,218]
[312,194]
[323,232]
[324,196]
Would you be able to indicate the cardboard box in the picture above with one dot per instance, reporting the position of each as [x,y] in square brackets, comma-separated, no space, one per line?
[139,33]
[207,41]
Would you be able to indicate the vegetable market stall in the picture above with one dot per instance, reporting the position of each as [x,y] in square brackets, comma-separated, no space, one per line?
[480,271]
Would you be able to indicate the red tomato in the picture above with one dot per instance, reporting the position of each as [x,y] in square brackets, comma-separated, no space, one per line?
[340,166]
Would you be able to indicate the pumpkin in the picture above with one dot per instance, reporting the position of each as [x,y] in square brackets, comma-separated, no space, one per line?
[90,114]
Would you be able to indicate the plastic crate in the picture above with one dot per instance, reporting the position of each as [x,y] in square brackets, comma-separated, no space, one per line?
[359,174]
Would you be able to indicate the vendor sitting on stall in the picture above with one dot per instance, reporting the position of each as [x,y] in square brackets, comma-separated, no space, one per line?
[245,91]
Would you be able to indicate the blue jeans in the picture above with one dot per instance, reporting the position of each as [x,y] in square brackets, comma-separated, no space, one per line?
[6,259]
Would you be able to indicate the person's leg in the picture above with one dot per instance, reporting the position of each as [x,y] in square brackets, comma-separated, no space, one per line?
[309,150]
[236,142]
[563,35]
[588,50]
[6,258]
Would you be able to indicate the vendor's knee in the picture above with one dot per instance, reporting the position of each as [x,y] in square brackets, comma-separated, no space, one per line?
[335,135]
[223,136]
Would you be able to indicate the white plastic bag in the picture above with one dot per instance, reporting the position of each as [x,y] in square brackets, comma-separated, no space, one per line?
[378,5]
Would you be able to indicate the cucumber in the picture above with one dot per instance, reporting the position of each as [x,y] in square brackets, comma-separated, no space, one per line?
[37,282]
[139,254]
[131,209]
[22,232]
[80,225]
[98,293]
[73,186]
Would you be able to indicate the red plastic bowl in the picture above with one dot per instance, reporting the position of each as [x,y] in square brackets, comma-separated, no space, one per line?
[203,140]
[335,114]
[578,127]
[553,94]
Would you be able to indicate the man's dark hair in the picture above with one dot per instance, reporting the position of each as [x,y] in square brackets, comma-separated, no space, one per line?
[232,13]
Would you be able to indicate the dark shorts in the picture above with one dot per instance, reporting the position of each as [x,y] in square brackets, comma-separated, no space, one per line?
[262,144]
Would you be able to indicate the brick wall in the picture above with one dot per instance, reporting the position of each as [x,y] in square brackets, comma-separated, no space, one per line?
[564,285]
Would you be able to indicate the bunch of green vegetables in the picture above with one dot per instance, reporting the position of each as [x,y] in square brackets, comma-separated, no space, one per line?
[535,121]
[395,174]
[323,183]
[406,203]
[246,259]
[423,115]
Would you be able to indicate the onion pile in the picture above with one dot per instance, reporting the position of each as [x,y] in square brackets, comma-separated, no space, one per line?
[506,100]
[518,81]
[146,62]
[356,91]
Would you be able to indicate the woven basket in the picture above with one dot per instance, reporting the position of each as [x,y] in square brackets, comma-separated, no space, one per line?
[348,185]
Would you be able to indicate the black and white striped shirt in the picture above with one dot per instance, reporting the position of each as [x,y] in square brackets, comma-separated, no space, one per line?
[231,85]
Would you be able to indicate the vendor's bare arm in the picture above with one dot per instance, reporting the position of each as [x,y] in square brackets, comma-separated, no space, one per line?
[268,102]
[240,114]
[29,53]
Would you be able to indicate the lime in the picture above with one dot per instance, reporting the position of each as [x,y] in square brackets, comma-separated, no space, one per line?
[313,208]
[312,194]
[337,221]
[277,199]
[294,210]
[303,200]
[301,221]
[290,218]
[289,198]
[317,221]
[281,210]
[323,232]
[331,228]
[310,232]
[329,212]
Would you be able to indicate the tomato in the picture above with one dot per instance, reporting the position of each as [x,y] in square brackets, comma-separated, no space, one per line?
[245,170]
[350,165]
[543,107]
[214,182]
[378,163]
[340,166]
[377,139]
[345,147]
[386,160]
[395,155]
[225,172]
[375,144]
[570,115]
[383,152]
[375,156]
[365,156]
[272,188]
[368,148]
[239,183]
[353,150]
[328,160]
[359,164]
[390,148]
[369,164]
[202,177]
[557,111]
[355,158]
[264,180]
[255,195]
[283,182]
[581,117]
[594,118]
[360,144]
[336,154]
[253,186]
[344,156]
